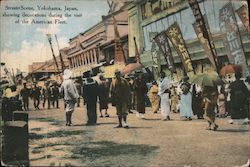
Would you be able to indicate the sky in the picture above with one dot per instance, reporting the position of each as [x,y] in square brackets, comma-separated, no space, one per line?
[22,44]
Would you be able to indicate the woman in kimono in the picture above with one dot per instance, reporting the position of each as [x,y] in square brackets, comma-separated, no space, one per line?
[153,97]
[186,111]
[164,95]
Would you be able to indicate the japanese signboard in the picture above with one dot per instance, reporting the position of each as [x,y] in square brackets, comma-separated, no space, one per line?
[162,42]
[243,14]
[232,40]
[201,28]
[176,38]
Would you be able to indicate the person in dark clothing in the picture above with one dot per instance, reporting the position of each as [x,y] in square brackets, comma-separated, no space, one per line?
[90,93]
[239,94]
[46,96]
[78,87]
[140,88]
[55,95]
[197,103]
[36,96]
[103,95]
[25,93]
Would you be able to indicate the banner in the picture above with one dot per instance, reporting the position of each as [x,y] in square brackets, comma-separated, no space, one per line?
[231,37]
[202,30]
[155,56]
[243,14]
[162,42]
[175,36]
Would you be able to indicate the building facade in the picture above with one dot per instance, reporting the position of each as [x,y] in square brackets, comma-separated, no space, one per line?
[95,47]
[154,16]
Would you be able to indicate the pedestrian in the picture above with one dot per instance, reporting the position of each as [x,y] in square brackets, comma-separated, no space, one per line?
[55,95]
[70,95]
[221,103]
[46,95]
[140,89]
[130,82]
[79,89]
[163,92]
[197,102]
[239,94]
[210,95]
[154,97]
[119,90]
[90,94]
[103,96]
[25,93]
[36,93]
[174,100]
[186,112]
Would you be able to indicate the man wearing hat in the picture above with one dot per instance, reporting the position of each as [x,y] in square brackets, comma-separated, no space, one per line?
[120,92]
[70,95]
[90,93]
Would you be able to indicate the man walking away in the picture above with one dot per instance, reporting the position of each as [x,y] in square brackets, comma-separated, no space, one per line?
[119,90]
[90,93]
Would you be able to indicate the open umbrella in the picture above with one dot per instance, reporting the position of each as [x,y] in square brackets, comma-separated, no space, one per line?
[206,79]
[229,68]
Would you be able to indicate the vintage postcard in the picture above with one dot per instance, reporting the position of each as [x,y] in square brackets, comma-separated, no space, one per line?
[125,83]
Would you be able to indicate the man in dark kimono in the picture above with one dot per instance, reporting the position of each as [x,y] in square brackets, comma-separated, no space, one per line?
[25,93]
[46,95]
[103,95]
[90,93]
[239,94]
[55,94]
[36,96]
[140,89]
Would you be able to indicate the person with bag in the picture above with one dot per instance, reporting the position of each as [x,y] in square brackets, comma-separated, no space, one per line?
[70,95]
[120,91]
[210,95]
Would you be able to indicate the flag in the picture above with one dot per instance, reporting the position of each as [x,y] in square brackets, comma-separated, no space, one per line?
[243,14]
[175,36]
[202,30]
[155,56]
[231,37]
[119,57]
[162,42]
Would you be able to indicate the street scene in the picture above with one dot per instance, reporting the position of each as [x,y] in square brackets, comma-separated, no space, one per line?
[125,83]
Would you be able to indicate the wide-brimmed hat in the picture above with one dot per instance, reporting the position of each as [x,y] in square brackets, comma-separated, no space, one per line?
[67,74]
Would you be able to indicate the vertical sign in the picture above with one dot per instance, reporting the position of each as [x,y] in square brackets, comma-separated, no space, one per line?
[231,37]
[176,38]
[162,42]
[203,33]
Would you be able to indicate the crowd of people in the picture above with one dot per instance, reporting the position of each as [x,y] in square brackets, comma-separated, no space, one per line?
[132,93]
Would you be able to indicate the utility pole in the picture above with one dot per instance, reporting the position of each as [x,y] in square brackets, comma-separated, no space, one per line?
[60,55]
[50,39]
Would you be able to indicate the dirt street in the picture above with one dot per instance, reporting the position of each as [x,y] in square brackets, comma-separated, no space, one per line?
[148,142]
